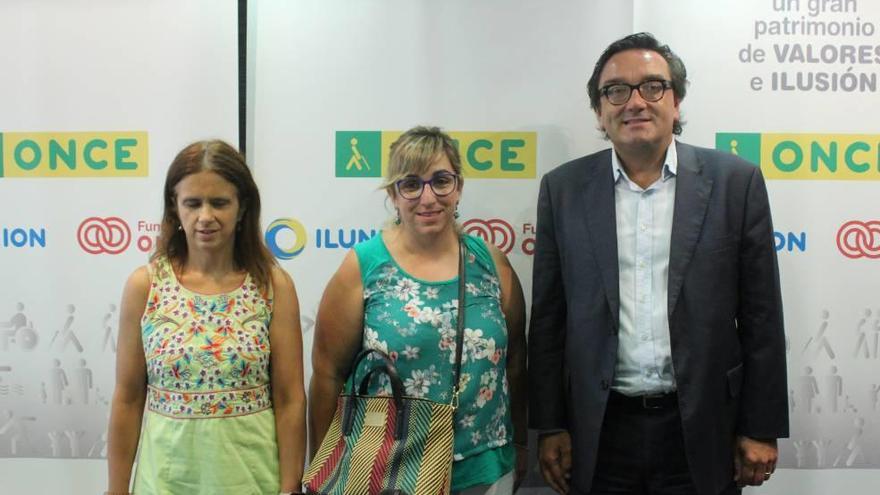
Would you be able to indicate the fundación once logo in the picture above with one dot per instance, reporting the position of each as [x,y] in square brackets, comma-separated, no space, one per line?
[502,234]
[859,239]
[484,155]
[784,156]
[74,154]
[113,235]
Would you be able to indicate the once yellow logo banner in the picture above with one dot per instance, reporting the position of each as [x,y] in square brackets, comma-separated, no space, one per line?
[74,154]
[484,155]
[789,156]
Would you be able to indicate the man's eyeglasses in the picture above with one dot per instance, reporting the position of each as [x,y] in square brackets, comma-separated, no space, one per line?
[619,93]
[442,184]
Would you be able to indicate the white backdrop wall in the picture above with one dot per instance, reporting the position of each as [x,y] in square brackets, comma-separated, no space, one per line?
[492,66]
[163,73]
[829,269]
[332,66]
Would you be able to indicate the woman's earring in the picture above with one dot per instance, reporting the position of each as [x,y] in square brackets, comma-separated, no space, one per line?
[456,214]
[179,227]
[397,220]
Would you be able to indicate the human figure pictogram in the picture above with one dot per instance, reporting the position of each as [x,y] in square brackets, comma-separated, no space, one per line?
[15,428]
[55,440]
[74,438]
[820,340]
[833,390]
[109,333]
[800,452]
[862,333]
[357,160]
[66,333]
[854,450]
[733,144]
[809,389]
[18,330]
[822,446]
[82,383]
[876,348]
[16,321]
[99,448]
[57,382]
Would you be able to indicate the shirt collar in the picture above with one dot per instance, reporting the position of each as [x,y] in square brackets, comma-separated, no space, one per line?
[670,164]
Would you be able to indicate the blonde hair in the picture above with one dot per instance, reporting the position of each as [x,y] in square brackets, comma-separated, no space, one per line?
[414,152]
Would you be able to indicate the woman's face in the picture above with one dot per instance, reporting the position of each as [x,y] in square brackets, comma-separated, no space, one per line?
[430,213]
[208,209]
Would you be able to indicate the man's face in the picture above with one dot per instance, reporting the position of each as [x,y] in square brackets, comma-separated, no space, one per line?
[637,123]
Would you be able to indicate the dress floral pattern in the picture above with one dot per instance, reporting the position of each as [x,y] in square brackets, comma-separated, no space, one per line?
[209,427]
[414,322]
[207,356]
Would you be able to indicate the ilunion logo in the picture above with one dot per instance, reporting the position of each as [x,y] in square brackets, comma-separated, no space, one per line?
[288,225]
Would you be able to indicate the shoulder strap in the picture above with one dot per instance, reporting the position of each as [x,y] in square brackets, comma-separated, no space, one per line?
[459,334]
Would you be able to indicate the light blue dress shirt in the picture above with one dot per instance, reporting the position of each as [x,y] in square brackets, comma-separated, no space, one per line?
[644,232]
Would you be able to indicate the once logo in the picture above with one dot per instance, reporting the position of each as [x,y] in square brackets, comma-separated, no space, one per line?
[109,235]
[857,239]
[290,226]
[806,156]
[484,154]
[74,154]
[495,231]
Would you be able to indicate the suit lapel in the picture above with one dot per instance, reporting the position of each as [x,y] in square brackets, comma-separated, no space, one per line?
[692,191]
[598,188]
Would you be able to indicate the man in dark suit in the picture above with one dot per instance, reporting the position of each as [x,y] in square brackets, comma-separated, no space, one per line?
[656,349]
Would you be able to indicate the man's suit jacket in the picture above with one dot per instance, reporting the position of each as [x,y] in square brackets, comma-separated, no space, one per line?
[724,306]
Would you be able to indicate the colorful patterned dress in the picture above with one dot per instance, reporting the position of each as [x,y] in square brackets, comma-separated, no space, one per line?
[414,321]
[209,426]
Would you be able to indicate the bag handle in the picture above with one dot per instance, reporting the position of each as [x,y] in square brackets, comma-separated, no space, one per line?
[459,334]
[387,367]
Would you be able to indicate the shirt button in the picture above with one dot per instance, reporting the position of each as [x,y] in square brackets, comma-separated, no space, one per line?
[644,227]
[645,338]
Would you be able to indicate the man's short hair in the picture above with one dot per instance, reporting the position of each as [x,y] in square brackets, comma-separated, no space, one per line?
[641,41]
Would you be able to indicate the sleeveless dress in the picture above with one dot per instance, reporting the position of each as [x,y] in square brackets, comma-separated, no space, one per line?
[414,321]
[209,427]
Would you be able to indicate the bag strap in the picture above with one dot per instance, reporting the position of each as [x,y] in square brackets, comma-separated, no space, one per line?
[385,366]
[459,334]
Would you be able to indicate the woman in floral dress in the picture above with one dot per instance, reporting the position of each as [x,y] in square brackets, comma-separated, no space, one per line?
[210,342]
[398,293]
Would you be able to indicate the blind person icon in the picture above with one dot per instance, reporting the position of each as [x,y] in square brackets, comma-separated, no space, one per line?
[357,160]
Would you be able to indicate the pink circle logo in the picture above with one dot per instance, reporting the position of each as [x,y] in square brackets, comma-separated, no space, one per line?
[110,235]
[494,230]
[857,239]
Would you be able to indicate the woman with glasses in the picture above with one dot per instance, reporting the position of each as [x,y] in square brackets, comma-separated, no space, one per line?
[209,341]
[398,293]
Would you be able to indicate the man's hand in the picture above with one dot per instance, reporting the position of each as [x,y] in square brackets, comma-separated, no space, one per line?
[554,456]
[754,461]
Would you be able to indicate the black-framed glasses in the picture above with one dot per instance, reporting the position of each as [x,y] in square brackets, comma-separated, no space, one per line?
[619,93]
[442,184]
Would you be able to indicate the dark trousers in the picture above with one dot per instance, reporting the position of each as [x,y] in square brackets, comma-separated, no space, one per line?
[641,450]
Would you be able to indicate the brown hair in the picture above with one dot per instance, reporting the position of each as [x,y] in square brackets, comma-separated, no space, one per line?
[250,252]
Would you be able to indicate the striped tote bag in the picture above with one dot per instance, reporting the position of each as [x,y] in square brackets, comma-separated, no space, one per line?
[380,445]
